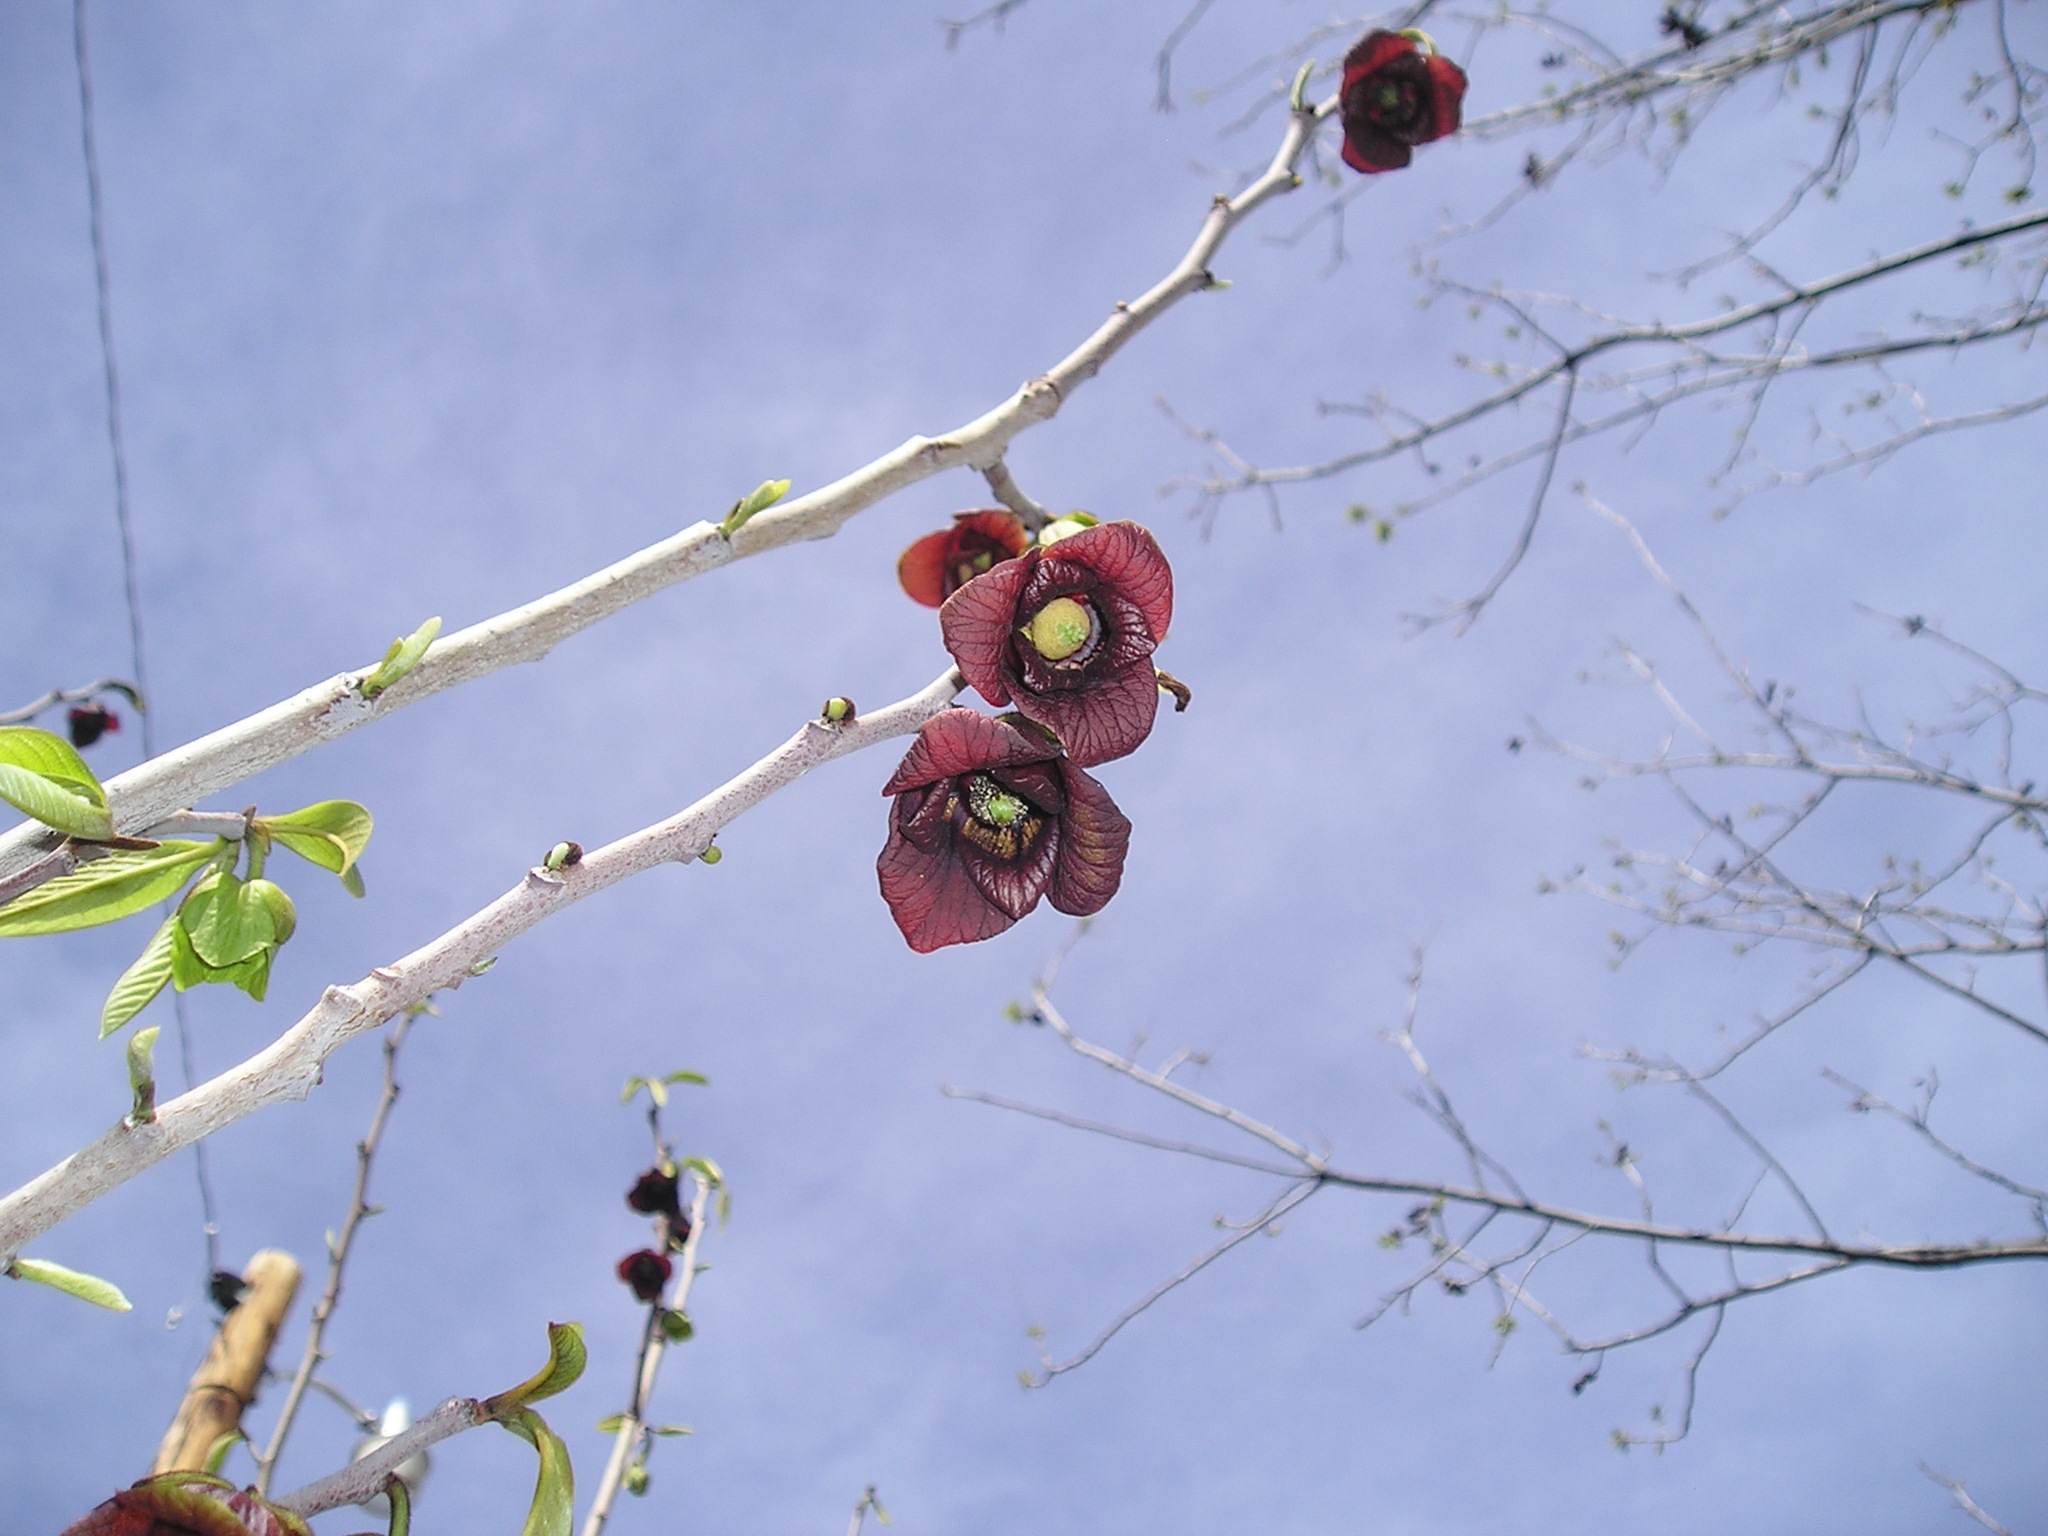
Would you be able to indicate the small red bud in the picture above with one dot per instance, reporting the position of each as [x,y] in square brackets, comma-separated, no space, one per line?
[647,1272]
[90,721]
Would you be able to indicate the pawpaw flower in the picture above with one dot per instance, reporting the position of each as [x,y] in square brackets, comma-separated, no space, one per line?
[655,1193]
[188,1504]
[90,721]
[1066,633]
[646,1272]
[989,818]
[1394,97]
[941,563]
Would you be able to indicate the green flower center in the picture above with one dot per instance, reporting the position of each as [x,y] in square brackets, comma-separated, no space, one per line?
[999,822]
[1060,628]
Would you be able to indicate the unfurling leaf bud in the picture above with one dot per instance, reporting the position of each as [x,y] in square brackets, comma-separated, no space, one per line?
[647,1272]
[562,855]
[837,711]
[711,855]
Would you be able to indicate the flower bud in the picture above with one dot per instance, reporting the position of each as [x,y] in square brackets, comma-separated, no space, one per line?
[655,1193]
[90,721]
[647,1272]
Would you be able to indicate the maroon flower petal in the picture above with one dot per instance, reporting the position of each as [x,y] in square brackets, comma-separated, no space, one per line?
[1447,85]
[959,741]
[976,623]
[1110,719]
[646,1272]
[1095,836]
[933,899]
[1128,559]
[1014,888]
[922,568]
[1374,52]
[1371,151]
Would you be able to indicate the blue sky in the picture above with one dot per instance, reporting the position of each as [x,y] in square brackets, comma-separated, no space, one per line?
[429,312]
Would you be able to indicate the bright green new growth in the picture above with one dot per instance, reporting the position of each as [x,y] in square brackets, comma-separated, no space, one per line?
[762,497]
[101,1293]
[42,776]
[142,1075]
[403,656]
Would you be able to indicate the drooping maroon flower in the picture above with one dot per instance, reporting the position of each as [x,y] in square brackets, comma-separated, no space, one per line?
[940,564]
[989,818]
[646,1272]
[1394,97]
[90,721]
[655,1193]
[187,1504]
[1066,633]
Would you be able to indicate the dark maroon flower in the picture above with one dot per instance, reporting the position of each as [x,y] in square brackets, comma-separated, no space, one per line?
[647,1272]
[1394,97]
[988,818]
[1066,633]
[941,563]
[655,1193]
[91,721]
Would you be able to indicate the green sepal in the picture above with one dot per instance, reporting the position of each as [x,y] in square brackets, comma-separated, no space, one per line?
[762,497]
[566,1359]
[332,834]
[142,1074]
[43,776]
[403,656]
[101,1293]
[141,982]
[108,889]
[554,1491]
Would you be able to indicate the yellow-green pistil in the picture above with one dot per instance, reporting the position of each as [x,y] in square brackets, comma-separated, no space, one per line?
[1059,629]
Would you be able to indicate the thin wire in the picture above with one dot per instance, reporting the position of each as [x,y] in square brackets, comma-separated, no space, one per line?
[129,584]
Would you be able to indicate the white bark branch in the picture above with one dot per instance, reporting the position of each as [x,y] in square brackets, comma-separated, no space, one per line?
[290,1067]
[188,774]
[365,1479]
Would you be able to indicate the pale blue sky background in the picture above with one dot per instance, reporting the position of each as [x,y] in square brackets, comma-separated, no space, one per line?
[432,311]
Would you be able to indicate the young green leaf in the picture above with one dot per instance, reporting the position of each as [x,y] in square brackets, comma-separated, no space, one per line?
[611,1424]
[284,917]
[676,1326]
[762,497]
[697,1078]
[141,982]
[43,776]
[101,1293]
[403,656]
[227,920]
[104,891]
[566,1358]
[217,1453]
[352,882]
[332,834]
[142,1075]
[554,1491]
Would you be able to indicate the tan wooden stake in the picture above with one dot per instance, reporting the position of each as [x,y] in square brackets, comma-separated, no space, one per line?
[226,1383]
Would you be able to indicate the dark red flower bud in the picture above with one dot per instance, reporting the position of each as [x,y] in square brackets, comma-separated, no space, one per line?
[988,819]
[647,1272]
[187,1504]
[1066,633]
[678,1230]
[1394,97]
[655,1193]
[940,564]
[90,721]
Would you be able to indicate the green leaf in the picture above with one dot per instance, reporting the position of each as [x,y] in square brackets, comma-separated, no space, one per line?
[227,920]
[612,1424]
[41,775]
[142,1075]
[100,1293]
[403,656]
[566,1358]
[698,1078]
[352,882]
[762,497]
[676,1326]
[217,1453]
[105,890]
[332,834]
[707,1168]
[141,982]
[554,1491]
[670,1430]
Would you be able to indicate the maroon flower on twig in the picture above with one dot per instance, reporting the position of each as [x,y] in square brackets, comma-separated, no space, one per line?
[940,564]
[646,1272]
[989,818]
[1394,97]
[89,722]
[1067,633]
[655,1193]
